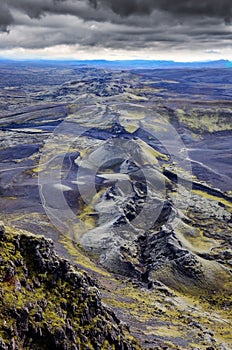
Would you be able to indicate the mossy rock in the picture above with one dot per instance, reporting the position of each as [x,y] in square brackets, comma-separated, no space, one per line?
[47,303]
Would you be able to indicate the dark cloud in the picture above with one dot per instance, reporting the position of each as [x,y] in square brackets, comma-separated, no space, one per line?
[99,9]
[38,8]
[6,17]
[209,8]
[116,24]
[126,8]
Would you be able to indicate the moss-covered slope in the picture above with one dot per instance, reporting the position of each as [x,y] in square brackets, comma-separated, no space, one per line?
[46,303]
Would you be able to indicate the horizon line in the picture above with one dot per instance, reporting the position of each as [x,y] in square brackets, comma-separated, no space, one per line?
[17,59]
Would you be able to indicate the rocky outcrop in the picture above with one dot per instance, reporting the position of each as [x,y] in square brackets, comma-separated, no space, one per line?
[46,303]
[141,228]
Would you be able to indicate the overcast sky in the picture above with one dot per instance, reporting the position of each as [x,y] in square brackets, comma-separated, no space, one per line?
[181,30]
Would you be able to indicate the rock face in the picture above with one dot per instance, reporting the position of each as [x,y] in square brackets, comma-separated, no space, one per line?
[46,303]
[140,228]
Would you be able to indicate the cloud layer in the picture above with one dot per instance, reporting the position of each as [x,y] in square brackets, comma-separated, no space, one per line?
[210,8]
[130,25]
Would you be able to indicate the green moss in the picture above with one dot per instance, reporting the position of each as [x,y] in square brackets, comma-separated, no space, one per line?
[207,120]
[227,203]
[50,301]
[85,260]
[171,316]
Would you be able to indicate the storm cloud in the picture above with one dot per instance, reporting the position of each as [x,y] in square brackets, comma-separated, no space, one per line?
[124,8]
[209,8]
[116,24]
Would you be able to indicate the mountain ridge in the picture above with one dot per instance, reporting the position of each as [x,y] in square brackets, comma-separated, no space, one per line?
[127,64]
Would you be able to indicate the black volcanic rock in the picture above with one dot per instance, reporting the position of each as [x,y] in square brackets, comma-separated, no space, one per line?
[46,303]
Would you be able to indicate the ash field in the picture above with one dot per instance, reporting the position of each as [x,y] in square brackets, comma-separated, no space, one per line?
[128,172]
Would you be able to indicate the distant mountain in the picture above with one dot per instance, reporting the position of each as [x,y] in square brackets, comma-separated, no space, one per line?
[150,64]
[125,64]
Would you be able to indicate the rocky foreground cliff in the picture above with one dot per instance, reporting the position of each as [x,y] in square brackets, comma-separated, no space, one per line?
[47,303]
